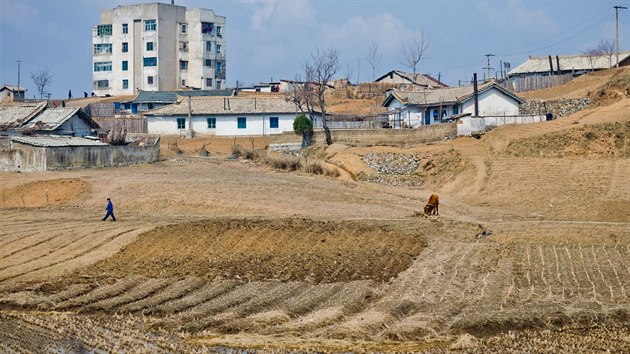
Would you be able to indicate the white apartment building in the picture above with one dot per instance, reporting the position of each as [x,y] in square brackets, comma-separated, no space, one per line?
[157,47]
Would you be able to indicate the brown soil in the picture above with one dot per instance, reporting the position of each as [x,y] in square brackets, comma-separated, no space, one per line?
[44,193]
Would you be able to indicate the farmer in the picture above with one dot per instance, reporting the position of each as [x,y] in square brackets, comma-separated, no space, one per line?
[110,210]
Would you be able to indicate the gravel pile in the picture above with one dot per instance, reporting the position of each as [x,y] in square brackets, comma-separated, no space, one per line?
[391,163]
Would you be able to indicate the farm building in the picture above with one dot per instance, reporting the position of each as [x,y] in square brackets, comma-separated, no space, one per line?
[568,64]
[225,116]
[403,80]
[71,121]
[431,106]
[15,115]
[12,93]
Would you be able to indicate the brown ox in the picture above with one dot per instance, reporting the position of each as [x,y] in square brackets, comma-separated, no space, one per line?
[432,205]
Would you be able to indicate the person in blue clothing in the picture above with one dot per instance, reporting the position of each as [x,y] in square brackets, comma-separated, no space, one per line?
[110,210]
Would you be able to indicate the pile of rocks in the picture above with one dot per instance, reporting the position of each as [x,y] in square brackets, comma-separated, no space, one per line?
[392,163]
[559,108]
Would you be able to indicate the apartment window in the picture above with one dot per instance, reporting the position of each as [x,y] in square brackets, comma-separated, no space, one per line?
[242,122]
[218,46]
[206,27]
[208,46]
[212,123]
[103,66]
[273,122]
[105,48]
[183,28]
[125,28]
[208,62]
[218,68]
[218,87]
[125,65]
[151,61]
[125,84]
[183,64]
[183,46]
[183,83]
[150,25]
[150,80]
[104,30]
[101,84]
[149,46]
[181,123]
[219,31]
[208,82]
[125,47]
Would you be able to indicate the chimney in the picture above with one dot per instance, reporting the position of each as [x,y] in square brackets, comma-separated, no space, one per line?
[476,94]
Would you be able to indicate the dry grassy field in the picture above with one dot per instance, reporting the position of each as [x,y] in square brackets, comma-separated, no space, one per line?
[212,253]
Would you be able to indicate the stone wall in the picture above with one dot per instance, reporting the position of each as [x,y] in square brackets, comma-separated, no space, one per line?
[559,108]
[369,137]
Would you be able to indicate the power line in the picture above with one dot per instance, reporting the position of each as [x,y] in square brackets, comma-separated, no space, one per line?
[488,67]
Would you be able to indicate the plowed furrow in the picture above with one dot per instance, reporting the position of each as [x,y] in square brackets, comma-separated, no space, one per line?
[100,293]
[171,292]
[139,292]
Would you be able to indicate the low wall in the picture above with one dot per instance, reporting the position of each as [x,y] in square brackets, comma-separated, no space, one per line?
[369,137]
[559,108]
[478,125]
[27,159]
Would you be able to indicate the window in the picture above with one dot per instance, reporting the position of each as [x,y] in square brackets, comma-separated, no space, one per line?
[206,27]
[151,61]
[125,65]
[219,31]
[125,47]
[150,25]
[212,123]
[183,64]
[183,28]
[218,46]
[183,46]
[181,123]
[125,84]
[209,82]
[101,84]
[103,66]
[455,109]
[150,80]
[218,84]
[105,48]
[208,46]
[242,122]
[149,46]
[208,62]
[125,28]
[273,122]
[217,69]
[183,83]
[104,30]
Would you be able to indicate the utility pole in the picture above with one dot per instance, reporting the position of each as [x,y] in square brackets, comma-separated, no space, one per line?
[489,68]
[617,8]
[19,62]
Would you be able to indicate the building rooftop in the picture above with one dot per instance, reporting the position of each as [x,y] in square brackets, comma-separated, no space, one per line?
[449,95]
[14,115]
[581,62]
[418,79]
[56,141]
[171,96]
[53,118]
[13,88]
[227,105]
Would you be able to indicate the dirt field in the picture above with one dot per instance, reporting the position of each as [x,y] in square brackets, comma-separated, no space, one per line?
[210,253]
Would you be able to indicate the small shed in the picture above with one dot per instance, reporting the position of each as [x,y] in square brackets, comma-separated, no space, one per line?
[12,93]
[70,121]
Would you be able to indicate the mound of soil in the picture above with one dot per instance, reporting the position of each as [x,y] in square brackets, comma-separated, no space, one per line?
[283,249]
[615,89]
[43,193]
[610,140]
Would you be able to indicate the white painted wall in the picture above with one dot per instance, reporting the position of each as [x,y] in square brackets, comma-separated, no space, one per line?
[469,125]
[492,102]
[226,125]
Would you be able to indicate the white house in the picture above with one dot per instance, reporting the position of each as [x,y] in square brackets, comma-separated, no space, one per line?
[225,116]
[431,106]
[402,79]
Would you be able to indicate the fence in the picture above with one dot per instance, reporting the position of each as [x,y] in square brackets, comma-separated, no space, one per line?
[134,125]
[479,125]
[538,82]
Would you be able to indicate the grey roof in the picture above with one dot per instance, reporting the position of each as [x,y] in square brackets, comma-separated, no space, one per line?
[581,62]
[418,79]
[53,118]
[227,106]
[14,115]
[448,95]
[171,96]
[56,141]
[13,88]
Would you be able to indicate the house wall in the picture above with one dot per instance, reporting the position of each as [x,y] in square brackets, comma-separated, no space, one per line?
[492,102]
[225,125]
[479,125]
[77,125]
[414,116]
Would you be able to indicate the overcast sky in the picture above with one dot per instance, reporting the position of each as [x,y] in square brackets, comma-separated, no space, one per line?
[271,39]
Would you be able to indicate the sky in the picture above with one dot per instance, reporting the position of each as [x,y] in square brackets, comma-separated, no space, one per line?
[272,39]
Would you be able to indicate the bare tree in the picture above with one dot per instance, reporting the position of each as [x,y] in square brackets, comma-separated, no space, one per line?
[373,58]
[413,51]
[607,49]
[319,70]
[301,94]
[591,55]
[42,79]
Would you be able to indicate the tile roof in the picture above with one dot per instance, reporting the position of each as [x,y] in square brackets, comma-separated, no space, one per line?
[14,115]
[13,88]
[226,106]
[580,62]
[56,141]
[448,95]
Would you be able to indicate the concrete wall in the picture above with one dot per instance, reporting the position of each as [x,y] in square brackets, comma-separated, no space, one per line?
[492,103]
[478,125]
[369,137]
[26,158]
